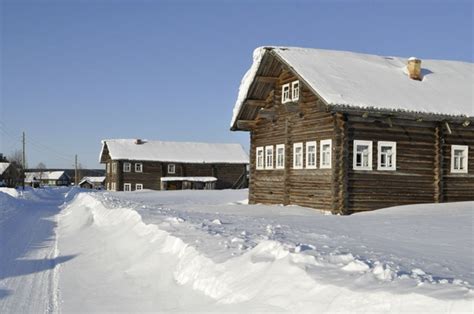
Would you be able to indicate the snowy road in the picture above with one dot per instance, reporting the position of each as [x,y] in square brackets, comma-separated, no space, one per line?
[28,259]
[65,251]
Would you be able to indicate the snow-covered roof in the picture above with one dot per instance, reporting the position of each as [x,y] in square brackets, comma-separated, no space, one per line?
[92,180]
[193,179]
[185,152]
[352,79]
[3,167]
[45,175]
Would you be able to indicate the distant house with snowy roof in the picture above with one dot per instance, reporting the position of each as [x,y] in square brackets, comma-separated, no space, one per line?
[9,175]
[135,164]
[96,183]
[348,132]
[49,178]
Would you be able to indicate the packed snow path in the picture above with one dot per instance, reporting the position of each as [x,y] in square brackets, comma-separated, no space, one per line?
[28,256]
[208,251]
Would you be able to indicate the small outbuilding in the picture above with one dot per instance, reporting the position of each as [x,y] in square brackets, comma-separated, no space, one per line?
[95,183]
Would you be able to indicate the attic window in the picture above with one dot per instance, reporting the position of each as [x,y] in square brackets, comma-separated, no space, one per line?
[295,90]
[285,93]
[127,167]
[171,168]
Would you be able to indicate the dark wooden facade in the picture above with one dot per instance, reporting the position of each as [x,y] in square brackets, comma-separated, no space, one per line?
[423,150]
[228,175]
[11,177]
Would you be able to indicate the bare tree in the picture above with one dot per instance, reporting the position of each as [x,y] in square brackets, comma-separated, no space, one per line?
[16,157]
[41,167]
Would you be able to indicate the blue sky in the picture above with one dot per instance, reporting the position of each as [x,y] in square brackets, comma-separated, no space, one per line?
[76,72]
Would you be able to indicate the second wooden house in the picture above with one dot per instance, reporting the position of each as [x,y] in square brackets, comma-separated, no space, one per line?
[135,164]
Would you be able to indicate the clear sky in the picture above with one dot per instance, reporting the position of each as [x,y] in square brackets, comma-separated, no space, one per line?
[76,72]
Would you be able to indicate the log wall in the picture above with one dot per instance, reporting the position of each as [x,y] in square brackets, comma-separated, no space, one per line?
[310,122]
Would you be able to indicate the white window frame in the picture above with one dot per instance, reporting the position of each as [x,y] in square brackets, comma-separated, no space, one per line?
[308,145]
[295,146]
[260,164]
[125,185]
[127,167]
[285,95]
[107,166]
[323,143]
[295,90]
[465,160]
[138,186]
[173,167]
[114,167]
[114,186]
[269,162]
[139,167]
[369,157]
[279,165]
[393,146]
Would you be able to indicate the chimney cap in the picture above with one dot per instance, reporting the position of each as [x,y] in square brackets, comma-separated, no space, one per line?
[414,59]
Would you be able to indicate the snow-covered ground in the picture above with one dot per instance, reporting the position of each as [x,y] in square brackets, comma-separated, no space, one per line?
[70,250]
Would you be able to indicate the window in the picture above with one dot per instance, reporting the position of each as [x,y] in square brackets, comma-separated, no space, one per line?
[459,155]
[114,167]
[362,155]
[280,156]
[138,167]
[127,187]
[325,158]
[138,187]
[260,158]
[127,167]
[285,93]
[107,168]
[386,156]
[268,157]
[311,155]
[171,168]
[298,155]
[295,90]
[114,186]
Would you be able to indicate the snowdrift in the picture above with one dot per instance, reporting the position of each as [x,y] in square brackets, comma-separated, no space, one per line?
[144,261]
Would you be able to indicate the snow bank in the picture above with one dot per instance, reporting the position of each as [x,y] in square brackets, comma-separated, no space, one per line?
[10,191]
[273,274]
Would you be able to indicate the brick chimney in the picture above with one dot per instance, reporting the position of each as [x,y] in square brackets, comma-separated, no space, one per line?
[414,68]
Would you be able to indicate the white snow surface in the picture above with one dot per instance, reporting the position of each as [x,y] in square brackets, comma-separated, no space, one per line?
[185,152]
[195,179]
[92,180]
[3,167]
[352,79]
[67,250]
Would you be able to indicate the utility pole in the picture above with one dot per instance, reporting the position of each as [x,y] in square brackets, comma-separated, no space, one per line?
[23,161]
[76,181]
[24,153]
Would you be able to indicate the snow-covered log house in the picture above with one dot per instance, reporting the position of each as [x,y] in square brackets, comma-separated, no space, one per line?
[348,132]
[136,164]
